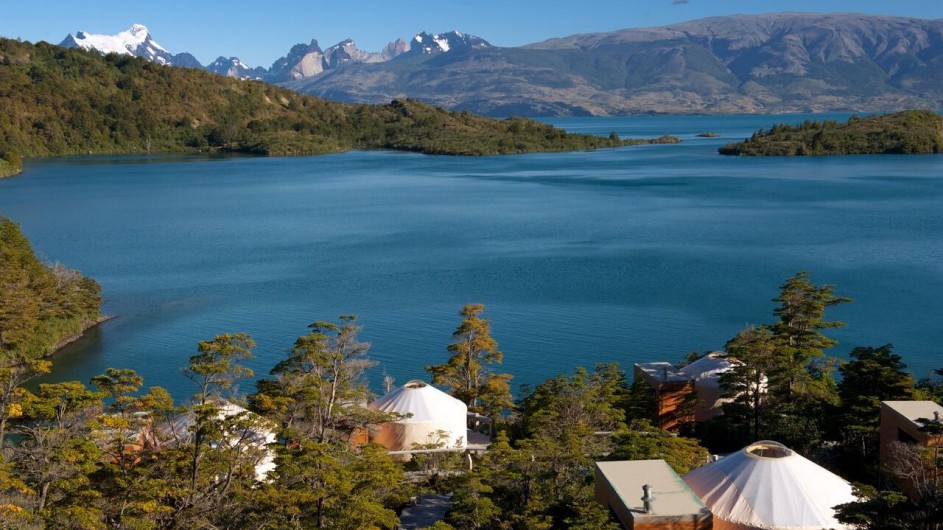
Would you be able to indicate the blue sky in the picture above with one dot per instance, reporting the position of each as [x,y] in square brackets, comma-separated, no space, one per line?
[260,32]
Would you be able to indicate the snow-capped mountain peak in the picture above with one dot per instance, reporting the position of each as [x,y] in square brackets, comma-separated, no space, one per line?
[309,60]
[233,67]
[428,43]
[139,30]
[135,40]
[301,62]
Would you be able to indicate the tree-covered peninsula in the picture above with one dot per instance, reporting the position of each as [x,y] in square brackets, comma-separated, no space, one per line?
[58,101]
[907,132]
[40,305]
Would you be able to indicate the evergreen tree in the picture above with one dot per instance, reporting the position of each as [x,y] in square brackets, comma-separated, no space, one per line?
[54,454]
[798,333]
[211,475]
[568,423]
[754,356]
[329,485]
[319,388]
[467,374]
[125,432]
[872,376]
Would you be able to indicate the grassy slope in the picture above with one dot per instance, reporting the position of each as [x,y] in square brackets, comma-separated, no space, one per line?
[59,101]
[908,132]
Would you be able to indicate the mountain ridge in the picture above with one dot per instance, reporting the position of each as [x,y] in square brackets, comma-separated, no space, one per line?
[773,63]
[777,63]
[301,61]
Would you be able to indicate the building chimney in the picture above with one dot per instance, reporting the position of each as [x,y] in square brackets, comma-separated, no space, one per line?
[647,498]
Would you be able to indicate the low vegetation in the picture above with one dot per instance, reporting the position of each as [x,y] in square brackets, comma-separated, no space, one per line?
[907,132]
[59,101]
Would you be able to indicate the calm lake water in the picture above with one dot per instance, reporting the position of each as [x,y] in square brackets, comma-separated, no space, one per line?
[634,254]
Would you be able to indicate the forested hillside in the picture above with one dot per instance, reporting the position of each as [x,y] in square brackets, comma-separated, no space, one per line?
[60,101]
[909,132]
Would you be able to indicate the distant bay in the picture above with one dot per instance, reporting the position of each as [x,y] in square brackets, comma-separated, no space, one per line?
[632,254]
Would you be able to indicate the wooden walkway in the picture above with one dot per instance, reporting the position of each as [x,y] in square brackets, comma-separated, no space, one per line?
[429,509]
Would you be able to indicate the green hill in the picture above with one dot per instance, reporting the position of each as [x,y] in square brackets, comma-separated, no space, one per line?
[908,132]
[59,101]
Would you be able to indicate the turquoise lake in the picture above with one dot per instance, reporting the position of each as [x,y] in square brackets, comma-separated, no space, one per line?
[636,254]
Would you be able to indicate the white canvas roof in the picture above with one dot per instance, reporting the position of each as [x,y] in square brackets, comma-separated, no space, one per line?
[709,367]
[427,411]
[767,485]
[706,373]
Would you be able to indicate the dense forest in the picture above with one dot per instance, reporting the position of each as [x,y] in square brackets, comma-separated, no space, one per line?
[117,455]
[907,132]
[59,101]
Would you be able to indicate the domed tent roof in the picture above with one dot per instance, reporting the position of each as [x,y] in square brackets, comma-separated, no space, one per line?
[430,416]
[706,373]
[424,402]
[767,485]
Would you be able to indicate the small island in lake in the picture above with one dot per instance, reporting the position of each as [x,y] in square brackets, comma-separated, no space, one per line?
[907,132]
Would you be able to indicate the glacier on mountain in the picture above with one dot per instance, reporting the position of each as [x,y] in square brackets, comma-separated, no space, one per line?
[135,41]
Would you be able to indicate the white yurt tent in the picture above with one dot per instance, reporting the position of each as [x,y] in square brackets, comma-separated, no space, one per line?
[426,411]
[247,429]
[768,486]
[706,373]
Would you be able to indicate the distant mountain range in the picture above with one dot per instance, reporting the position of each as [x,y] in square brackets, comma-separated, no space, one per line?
[301,62]
[788,62]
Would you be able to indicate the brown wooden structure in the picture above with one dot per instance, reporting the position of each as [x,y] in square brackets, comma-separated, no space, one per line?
[672,389]
[901,422]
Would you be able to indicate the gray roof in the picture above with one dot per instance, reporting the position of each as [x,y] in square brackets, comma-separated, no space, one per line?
[914,410]
[673,497]
[662,372]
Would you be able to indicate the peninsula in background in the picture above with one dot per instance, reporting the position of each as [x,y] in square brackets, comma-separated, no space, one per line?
[59,101]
